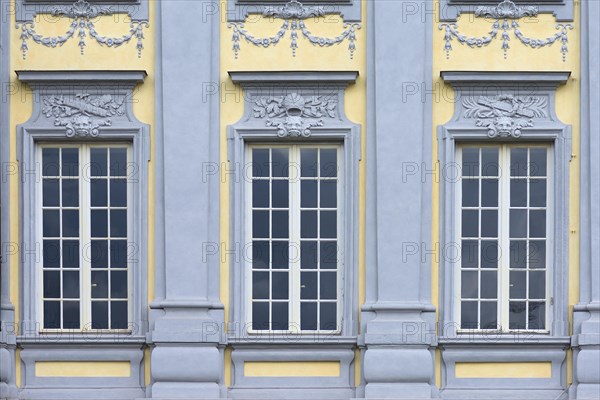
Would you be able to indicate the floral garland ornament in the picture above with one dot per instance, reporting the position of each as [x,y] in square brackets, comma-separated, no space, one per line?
[81,13]
[502,13]
[293,15]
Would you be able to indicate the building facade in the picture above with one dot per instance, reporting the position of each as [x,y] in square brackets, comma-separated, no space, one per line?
[256,199]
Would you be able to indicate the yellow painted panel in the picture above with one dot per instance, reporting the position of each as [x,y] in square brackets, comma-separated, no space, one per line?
[504,370]
[83,369]
[296,369]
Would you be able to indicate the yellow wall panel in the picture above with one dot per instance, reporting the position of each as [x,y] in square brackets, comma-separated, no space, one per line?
[504,370]
[83,369]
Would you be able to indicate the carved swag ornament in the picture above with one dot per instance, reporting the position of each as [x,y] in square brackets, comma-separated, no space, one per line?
[505,115]
[293,115]
[76,113]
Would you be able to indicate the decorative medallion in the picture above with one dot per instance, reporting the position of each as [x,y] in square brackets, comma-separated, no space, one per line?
[76,113]
[502,13]
[505,115]
[293,115]
[81,13]
[293,14]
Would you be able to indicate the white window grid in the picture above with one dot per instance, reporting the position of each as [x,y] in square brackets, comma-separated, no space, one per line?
[504,269]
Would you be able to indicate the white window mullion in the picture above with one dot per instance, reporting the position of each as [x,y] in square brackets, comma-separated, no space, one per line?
[294,238]
[85,237]
[504,242]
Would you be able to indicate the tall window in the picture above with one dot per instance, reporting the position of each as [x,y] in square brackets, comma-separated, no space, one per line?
[294,227]
[503,230]
[84,234]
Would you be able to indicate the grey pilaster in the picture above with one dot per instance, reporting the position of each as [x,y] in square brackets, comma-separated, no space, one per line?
[398,317]
[586,318]
[187,316]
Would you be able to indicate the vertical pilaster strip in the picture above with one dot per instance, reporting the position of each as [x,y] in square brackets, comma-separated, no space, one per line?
[187,360]
[398,317]
[586,318]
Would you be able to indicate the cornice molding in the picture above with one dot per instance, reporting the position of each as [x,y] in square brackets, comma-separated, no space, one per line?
[239,10]
[450,10]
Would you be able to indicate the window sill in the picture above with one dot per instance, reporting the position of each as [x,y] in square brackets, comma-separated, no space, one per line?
[279,339]
[82,338]
[504,339]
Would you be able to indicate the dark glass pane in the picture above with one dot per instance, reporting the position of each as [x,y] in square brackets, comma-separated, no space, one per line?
[260,162]
[260,224]
[470,192]
[308,316]
[98,162]
[99,223]
[537,254]
[99,192]
[537,315]
[518,162]
[281,255]
[518,282]
[280,288]
[50,163]
[518,253]
[489,161]
[99,315]
[260,254]
[470,162]
[281,196]
[260,316]
[70,254]
[468,315]
[260,285]
[260,194]
[70,193]
[118,284]
[280,162]
[118,193]
[537,192]
[118,254]
[518,223]
[489,223]
[470,223]
[280,228]
[329,255]
[308,285]
[118,315]
[118,223]
[518,193]
[308,255]
[70,162]
[99,284]
[516,317]
[51,284]
[308,162]
[70,223]
[51,223]
[99,254]
[51,314]
[328,317]
[328,163]
[469,254]
[71,284]
[308,224]
[118,162]
[71,315]
[308,193]
[537,223]
[489,315]
[538,160]
[51,253]
[328,194]
[489,284]
[328,224]
[469,284]
[50,190]
[537,285]
[489,193]
[280,312]
[328,286]
[489,254]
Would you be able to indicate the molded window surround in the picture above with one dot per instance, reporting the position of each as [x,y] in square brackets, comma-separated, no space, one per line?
[563,10]
[504,110]
[239,10]
[27,10]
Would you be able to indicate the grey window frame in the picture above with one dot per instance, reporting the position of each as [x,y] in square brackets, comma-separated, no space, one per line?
[239,10]
[27,10]
[563,10]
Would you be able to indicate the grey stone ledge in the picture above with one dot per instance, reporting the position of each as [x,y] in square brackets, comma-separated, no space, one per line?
[326,340]
[510,77]
[504,340]
[70,77]
[82,339]
[273,77]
